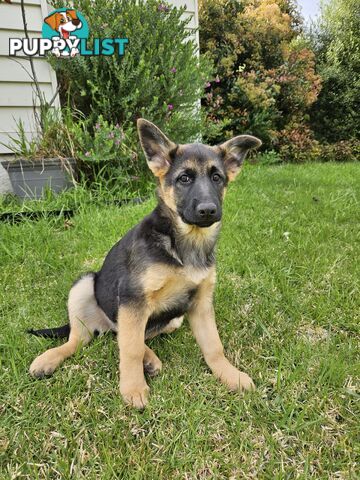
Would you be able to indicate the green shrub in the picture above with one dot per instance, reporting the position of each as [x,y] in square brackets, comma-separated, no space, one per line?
[160,77]
[342,151]
[269,157]
[105,157]
[266,76]
[296,144]
[336,40]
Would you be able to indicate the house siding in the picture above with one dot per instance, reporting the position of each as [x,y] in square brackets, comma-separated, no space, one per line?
[17,95]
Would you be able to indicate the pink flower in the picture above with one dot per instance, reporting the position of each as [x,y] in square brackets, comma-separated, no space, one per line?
[117,142]
[87,154]
[117,126]
[217,79]
[97,126]
[163,8]
[173,70]
[111,135]
[170,106]
[207,85]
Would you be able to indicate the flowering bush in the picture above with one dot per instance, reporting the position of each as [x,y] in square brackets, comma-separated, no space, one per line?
[104,156]
[296,144]
[160,77]
[104,145]
[342,151]
[266,76]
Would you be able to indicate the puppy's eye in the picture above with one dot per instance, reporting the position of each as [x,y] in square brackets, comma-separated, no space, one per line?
[184,178]
[62,20]
[216,178]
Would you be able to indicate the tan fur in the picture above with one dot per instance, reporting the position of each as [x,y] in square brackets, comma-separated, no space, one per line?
[173,325]
[159,165]
[152,363]
[167,194]
[235,151]
[156,149]
[196,235]
[85,317]
[163,284]
[131,339]
[202,322]
[193,164]
[233,172]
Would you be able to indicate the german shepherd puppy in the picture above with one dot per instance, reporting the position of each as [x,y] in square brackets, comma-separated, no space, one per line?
[161,269]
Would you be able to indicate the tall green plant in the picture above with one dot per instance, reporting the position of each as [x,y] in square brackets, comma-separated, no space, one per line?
[160,76]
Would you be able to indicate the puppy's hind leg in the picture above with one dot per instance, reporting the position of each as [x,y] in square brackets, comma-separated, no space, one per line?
[173,325]
[86,318]
[152,363]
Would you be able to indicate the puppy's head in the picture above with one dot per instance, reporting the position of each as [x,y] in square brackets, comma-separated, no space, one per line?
[64,22]
[193,177]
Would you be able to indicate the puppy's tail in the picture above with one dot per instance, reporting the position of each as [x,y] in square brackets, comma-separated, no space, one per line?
[59,332]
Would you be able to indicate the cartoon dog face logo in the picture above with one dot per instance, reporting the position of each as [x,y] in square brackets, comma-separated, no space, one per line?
[64,22]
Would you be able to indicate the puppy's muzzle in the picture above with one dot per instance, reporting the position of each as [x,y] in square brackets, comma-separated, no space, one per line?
[206,214]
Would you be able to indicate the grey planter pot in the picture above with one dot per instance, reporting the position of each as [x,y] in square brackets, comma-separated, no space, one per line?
[30,179]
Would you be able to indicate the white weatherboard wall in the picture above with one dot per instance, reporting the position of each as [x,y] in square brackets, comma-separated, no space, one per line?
[17,94]
[191,10]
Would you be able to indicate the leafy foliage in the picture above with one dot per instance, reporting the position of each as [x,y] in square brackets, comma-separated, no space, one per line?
[336,40]
[160,77]
[57,136]
[266,78]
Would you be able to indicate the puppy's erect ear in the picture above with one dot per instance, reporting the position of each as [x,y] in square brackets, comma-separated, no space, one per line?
[53,20]
[234,152]
[156,146]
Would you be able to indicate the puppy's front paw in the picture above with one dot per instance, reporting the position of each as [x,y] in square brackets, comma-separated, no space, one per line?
[45,364]
[135,395]
[236,380]
[244,382]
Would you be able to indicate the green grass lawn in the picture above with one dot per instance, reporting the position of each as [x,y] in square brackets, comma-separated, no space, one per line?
[288,310]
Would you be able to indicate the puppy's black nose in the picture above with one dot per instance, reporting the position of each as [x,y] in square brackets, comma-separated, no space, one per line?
[75,22]
[206,211]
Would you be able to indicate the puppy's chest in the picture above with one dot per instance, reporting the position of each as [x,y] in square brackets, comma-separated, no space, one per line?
[167,287]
